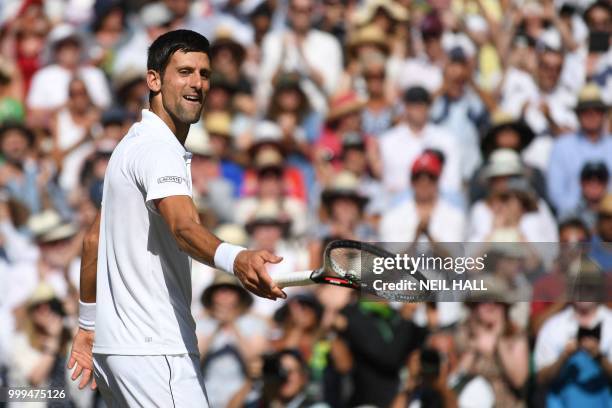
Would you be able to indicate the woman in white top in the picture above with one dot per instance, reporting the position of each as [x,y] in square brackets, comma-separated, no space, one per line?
[73,127]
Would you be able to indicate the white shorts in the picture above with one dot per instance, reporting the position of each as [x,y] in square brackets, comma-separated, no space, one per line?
[150,381]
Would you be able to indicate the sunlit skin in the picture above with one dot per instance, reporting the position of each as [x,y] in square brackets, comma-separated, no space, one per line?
[181,91]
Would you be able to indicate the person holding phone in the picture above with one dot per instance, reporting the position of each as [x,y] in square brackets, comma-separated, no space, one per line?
[573,356]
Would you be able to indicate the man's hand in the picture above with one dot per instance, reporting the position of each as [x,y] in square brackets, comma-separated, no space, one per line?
[81,356]
[250,268]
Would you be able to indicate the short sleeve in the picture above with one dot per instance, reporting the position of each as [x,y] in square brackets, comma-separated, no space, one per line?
[162,172]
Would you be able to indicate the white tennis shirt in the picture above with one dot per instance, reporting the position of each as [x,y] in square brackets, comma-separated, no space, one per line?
[143,278]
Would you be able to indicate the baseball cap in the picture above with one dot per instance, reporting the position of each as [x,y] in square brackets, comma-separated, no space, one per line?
[593,170]
[427,162]
[417,94]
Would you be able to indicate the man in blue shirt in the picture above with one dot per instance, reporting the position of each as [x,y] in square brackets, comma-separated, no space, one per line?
[570,152]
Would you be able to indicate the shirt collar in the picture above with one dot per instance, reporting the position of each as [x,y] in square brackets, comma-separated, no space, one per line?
[164,133]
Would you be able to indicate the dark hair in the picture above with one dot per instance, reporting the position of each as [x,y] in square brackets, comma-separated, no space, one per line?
[167,44]
[19,127]
[574,222]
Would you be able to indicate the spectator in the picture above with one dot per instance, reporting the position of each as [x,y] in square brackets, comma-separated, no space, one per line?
[511,212]
[343,205]
[426,215]
[50,85]
[343,117]
[425,70]
[490,345]
[570,153]
[506,133]
[229,338]
[574,362]
[285,377]
[290,108]
[380,341]
[379,113]
[462,109]
[594,178]
[315,54]
[355,160]
[155,18]
[268,228]
[211,189]
[299,321]
[26,178]
[108,29]
[268,136]
[73,131]
[270,188]
[551,291]
[410,137]
[40,347]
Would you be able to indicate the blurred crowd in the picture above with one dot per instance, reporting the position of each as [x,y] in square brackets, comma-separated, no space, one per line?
[406,121]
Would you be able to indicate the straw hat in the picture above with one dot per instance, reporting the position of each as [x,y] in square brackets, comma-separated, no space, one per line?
[198,143]
[590,98]
[268,212]
[503,162]
[43,222]
[58,233]
[500,121]
[225,280]
[344,185]
[343,104]
[366,13]
[266,133]
[232,233]
[218,123]
[268,158]
[369,35]
[225,39]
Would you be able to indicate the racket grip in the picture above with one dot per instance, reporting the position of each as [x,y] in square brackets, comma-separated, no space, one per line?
[300,278]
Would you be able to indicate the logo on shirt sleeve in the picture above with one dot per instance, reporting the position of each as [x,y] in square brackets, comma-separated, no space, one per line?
[170,179]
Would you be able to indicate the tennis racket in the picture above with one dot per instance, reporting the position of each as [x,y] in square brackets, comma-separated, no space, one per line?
[343,264]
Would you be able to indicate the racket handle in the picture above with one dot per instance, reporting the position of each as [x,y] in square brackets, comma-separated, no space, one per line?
[300,278]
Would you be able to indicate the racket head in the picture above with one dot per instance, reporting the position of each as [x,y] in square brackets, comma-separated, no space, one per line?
[349,263]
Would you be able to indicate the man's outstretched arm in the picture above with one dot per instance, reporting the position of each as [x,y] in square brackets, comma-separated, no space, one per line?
[82,345]
[182,218]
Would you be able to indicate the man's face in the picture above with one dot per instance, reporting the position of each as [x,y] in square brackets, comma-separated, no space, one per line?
[225,304]
[14,146]
[591,120]
[549,70]
[184,85]
[417,114]
[299,15]
[593,188]
[456,74]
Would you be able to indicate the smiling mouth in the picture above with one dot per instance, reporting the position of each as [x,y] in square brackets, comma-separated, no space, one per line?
[193,98]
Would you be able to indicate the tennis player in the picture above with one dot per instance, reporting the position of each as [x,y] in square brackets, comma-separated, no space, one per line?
[136,258]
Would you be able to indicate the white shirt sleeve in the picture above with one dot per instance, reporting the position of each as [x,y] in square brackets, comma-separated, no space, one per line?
[161,173]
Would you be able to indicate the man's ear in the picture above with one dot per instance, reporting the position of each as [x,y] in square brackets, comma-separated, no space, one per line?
[153,81]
